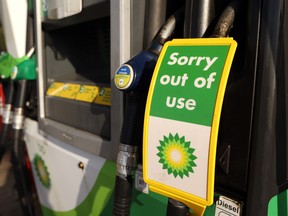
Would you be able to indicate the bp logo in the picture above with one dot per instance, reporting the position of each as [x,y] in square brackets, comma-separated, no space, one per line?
[42,171]
[176,155]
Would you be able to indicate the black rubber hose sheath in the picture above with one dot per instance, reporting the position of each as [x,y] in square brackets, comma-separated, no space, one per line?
[176,208]
[226,20]
[4,142]
[21,94]
[20,173]
[155,15]
[6,123]
[123,196]
[198,16]
[9,92]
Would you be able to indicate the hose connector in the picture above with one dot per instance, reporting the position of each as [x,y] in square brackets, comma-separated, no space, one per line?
[18,119]
[7,114]
[126,160]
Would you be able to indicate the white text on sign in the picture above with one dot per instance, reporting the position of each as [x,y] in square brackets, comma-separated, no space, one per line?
[181,80]
[196,60]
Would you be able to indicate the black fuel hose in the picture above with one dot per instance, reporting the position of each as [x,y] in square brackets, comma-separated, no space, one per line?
[18,149]
[7,117]
[155,17]
[222,29]
[198,16]
[176,208]
[226,20]
[126,161]
[142,66]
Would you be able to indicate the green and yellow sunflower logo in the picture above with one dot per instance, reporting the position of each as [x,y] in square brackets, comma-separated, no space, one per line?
[176,155]
[42,171]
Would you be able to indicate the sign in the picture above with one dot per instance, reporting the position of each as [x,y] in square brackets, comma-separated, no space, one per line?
[182,118]
[227,207]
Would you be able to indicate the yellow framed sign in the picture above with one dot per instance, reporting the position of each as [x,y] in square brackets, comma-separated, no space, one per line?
[182,118]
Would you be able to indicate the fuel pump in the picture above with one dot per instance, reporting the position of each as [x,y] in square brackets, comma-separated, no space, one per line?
[133,78]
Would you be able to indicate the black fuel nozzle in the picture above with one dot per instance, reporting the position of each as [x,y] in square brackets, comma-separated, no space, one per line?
[133,78]
[23,76]
[136,73]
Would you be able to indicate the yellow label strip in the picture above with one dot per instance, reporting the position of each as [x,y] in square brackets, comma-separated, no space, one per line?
[55,89]
[70,91]
[87,93]
[104,96]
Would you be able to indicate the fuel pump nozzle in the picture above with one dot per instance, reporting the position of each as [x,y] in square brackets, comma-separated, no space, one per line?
[128,77]
[23,74]
[9,71]
[7,62]
[133,78]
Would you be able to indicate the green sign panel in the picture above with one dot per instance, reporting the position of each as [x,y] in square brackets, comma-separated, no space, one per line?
[182,118]
[187,83]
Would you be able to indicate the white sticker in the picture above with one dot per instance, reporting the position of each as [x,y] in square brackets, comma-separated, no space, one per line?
[227,207]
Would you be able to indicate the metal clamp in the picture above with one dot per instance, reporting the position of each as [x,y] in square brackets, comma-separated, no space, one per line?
[126,160]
